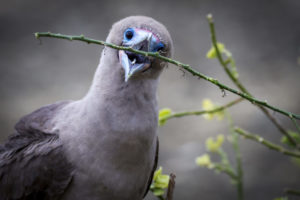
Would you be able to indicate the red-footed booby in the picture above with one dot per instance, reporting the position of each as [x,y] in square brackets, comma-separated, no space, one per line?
[103,146]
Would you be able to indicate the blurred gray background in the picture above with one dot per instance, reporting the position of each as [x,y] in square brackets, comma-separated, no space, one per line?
[264,37]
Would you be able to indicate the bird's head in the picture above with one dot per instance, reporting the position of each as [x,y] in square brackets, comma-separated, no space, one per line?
[141,33]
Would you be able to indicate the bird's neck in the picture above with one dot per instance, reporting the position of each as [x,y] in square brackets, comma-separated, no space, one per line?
[116,119]
[125,104]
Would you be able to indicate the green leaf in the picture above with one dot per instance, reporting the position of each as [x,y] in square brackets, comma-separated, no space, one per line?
[157,173]
[208,105]
[235,74]
[160,182]
[158,192]
[162,122]
[203,161]
[233,69]
[162,114]
[213,145]
[212,52]
[294,135]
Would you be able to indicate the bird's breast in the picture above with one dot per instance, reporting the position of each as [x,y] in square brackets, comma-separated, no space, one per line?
[113,151]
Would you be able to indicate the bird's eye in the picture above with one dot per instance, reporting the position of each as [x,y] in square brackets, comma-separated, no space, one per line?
[129,33]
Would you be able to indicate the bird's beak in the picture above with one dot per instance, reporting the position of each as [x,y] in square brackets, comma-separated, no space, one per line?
[135,63]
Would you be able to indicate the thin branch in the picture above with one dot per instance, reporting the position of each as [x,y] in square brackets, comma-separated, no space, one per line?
[171,187]
[225,169]
[201,112]
[240,173]
[279,127]
[266,143]
[296,124]
[169,60]
[236,81]
[239,168]
[224,159]
[220,58]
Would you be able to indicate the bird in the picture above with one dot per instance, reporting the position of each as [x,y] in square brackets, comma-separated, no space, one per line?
[103,146]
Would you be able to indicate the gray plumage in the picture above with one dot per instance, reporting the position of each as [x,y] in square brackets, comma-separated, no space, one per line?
[32,162]
[103,146]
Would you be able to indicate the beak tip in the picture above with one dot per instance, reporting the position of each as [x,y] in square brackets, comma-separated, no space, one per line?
[127,77]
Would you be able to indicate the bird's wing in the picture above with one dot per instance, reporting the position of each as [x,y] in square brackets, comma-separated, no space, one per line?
[154,167]
[32,162]
[39,119]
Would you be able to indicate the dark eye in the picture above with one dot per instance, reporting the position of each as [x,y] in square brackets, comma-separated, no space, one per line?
[129,33]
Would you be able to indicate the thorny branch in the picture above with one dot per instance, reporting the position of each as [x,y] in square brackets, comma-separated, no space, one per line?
[266,143]
[237,82]
[169,60]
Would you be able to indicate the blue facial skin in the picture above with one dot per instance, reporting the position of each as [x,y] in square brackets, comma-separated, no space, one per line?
[133,37]
[139,39]
[159,47]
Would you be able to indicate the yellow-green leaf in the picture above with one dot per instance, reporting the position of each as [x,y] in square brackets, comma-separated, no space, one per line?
[157,173]
[158,192]
[160,182]
[208,105]
[214,145]
[162,114]
[203,161]
[212,51]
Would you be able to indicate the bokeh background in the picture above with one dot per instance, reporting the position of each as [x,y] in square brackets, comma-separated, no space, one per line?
[264,37]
